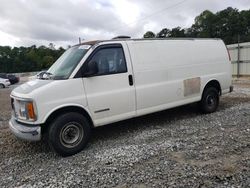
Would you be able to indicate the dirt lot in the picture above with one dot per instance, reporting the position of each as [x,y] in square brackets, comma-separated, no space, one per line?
[173,148]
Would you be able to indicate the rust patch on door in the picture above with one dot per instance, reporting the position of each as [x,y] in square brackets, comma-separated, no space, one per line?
[192,86]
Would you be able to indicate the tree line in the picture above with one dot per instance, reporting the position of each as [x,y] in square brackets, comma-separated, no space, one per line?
[231,25]
[27,59]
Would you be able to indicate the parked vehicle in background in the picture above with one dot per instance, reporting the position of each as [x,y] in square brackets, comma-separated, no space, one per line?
[4,83]
[12,78]
[101,82]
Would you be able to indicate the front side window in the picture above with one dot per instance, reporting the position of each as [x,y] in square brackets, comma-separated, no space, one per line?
[109,61]
[65,65]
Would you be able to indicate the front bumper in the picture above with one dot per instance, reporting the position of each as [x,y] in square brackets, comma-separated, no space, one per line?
[25,132]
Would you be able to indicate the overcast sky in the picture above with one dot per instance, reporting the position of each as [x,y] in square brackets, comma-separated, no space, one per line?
[39,22]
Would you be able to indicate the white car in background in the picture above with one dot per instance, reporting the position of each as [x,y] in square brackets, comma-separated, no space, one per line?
[4,83]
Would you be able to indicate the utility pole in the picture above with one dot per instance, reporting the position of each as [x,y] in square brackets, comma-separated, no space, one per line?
[238,57]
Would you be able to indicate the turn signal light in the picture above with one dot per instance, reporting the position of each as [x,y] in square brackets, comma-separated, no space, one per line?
[30,109]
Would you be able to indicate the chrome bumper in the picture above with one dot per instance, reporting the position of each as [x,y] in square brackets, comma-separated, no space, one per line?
[30,133]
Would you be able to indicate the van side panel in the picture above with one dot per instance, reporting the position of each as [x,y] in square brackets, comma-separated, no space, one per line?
[170,73]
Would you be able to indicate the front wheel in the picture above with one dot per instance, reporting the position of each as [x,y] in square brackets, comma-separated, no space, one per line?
[69,133]
[210,100]
[2,86]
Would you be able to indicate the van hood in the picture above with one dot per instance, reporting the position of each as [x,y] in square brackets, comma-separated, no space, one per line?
[30,86]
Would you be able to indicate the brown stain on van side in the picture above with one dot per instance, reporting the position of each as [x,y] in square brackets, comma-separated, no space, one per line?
[192,86]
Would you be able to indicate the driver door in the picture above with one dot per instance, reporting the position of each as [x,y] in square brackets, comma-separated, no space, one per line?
[110,91]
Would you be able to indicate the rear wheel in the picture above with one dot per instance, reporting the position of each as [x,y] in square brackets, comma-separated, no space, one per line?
[210,100]
[2,86]
[69,133]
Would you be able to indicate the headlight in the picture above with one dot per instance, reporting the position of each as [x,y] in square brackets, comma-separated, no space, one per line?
[25,109]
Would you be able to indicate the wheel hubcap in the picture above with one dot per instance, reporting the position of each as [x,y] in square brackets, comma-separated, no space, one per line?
[71,134]
[211,100]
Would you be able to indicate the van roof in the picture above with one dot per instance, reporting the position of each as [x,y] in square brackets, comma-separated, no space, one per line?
[93,42]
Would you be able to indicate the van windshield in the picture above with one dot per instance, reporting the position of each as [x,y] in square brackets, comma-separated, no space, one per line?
[64,66]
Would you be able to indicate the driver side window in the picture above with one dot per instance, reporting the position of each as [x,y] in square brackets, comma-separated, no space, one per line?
[110,60]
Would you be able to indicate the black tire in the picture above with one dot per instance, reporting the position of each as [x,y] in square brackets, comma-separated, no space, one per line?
[210,100]
[69,133]
[2,86]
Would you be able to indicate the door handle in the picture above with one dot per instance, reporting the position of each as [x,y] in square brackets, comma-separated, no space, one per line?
[130,80]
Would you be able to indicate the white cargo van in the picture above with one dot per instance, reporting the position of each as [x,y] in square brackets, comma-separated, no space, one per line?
[101,82]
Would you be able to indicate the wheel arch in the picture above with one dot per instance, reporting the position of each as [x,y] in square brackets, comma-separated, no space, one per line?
[70,108]
[213,83]
[2,85]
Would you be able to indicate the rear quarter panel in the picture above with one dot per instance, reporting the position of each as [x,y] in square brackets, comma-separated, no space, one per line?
[162,66]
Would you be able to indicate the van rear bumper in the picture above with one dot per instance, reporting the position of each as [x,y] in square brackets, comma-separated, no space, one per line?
[231,88]
[228,90]
[25,132]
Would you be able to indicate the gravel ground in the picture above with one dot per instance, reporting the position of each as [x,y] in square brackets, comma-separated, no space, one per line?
[174,148]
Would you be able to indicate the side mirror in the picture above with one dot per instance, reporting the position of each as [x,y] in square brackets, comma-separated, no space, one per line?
[91,69]
[40,74]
